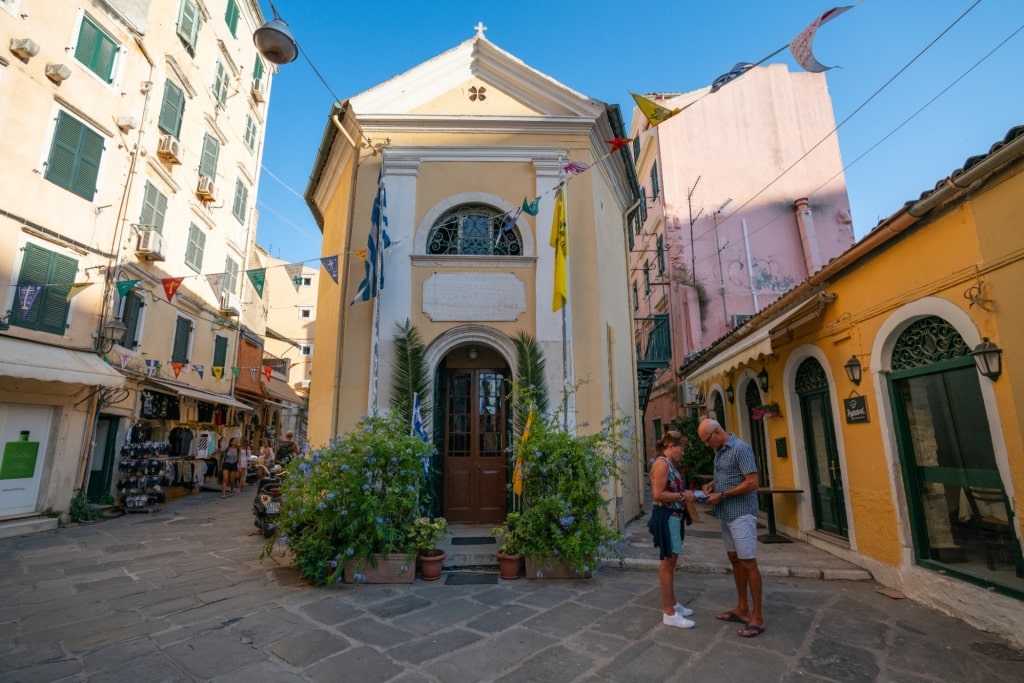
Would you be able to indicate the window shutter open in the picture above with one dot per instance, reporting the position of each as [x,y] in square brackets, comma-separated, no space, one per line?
[154,209]
[220,351]
[172,109]
[55,272]
[208,162]
[188,23]
[130,317]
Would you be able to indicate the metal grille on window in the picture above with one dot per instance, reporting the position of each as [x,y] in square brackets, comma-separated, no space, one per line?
[927,341]
[474,230]
[810,376]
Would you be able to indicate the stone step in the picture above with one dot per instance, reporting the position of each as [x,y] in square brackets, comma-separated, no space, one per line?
[26,526]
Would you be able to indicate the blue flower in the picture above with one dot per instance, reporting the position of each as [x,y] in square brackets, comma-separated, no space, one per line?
[350,552]
[379,520]
[360,578]
[566,521]
[330,495]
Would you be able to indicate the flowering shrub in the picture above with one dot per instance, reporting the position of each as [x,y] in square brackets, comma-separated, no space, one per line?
[511,534]
[765,411]
[565,515]
[426,533]
[354,498]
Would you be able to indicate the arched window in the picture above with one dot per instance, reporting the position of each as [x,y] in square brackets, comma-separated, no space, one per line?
[474,230]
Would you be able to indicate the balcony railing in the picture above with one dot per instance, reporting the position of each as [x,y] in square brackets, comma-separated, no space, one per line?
[653,352]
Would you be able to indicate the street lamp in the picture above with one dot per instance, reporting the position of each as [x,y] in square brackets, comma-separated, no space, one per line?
[730,394]
[853,369]
[989,359]
[114,332]
[275,41]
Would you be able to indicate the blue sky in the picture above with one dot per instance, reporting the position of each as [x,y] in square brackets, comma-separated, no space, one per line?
[604,50]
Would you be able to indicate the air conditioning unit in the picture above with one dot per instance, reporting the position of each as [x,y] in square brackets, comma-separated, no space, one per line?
[689,395]
[57,72]
[303,384]
[169,149]
[230,304]
[257,90]
[740,318]
[205,190]
[150,245]
[24,48]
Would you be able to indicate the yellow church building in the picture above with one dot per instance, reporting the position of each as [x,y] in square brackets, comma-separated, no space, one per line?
[456,146]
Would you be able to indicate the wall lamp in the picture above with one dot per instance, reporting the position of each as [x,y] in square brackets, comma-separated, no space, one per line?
[114,332]
[730,394]
[762,380]
[853,369]
[989,359]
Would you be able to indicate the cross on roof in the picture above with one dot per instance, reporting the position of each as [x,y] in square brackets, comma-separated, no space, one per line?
[480,28]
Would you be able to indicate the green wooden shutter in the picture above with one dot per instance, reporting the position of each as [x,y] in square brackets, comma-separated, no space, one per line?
[56,272]
[250,133]
[220,86]
[220,350]
[208,161]
[241,200]
[231,17]
[188,23]
[194,250]
[230,281]
[257,68]
[96,49]
[154,209]
[172,109]
[74,160]
[131,315]
[182,332]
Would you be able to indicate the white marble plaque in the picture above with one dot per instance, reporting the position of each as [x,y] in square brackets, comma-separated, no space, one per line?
[468,297]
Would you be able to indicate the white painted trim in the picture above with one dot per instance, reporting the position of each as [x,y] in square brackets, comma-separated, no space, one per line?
[481,335]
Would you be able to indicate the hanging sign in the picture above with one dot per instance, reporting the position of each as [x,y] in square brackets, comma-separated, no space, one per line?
[856,409]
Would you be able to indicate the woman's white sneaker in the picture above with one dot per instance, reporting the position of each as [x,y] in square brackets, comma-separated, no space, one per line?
[685,611]
[676,620]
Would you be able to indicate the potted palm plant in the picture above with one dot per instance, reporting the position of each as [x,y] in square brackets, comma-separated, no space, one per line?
[426,533]
[563,525]
[510,553]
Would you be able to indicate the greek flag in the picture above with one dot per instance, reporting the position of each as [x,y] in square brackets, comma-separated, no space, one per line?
[376,242]
[417,419]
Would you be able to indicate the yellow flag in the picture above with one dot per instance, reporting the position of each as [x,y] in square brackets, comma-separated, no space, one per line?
[76,288]
[517,473]
[560,241]
[654,112]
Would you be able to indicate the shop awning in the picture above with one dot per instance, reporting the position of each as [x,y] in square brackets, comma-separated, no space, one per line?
[200,395]
[752,348]
[28,360]
[283,392]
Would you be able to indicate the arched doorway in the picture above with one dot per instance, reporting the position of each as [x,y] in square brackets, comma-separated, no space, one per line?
[471,418]
[960,518]
[826,476]
[751,398]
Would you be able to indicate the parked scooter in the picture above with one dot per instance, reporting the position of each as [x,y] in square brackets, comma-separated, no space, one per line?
[267,506]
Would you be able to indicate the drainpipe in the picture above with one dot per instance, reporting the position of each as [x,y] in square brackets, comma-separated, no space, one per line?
[808,235]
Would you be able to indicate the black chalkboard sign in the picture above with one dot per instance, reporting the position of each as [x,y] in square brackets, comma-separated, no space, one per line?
[856,409]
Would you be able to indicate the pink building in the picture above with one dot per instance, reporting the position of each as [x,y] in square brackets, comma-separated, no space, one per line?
[743,197]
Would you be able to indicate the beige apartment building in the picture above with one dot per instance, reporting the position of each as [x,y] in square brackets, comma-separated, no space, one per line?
[132,136]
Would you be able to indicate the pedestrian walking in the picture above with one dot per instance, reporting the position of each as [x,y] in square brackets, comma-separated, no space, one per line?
[229,468]
[668,521]
[733,492]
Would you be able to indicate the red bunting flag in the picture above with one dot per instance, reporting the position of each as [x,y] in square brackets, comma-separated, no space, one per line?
[171,285]
[267,370]
[177,368]
[618,143]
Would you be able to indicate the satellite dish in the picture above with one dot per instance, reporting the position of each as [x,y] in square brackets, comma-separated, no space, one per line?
[275,42]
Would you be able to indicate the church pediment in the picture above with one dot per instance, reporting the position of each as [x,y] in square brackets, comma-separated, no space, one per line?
[449,85]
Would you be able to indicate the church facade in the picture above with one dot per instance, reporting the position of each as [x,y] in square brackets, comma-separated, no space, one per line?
[456,145]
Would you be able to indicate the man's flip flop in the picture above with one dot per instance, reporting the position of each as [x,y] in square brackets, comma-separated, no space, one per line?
[731,616]
[750,631]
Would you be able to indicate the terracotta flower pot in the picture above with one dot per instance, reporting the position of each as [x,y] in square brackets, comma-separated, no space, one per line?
[510,566]
[431,563]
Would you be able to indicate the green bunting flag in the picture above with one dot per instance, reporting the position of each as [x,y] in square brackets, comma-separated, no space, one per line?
[123,286]
[257,276]
[531,207]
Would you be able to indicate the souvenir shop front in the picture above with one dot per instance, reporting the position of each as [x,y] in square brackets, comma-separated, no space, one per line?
[175,446]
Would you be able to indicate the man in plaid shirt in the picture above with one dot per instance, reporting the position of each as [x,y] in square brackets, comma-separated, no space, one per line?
[734,493]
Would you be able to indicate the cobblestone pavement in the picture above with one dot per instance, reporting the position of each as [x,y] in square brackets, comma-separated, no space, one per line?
[181,595]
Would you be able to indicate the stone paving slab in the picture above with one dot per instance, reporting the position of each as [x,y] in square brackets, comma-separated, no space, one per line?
[187,620]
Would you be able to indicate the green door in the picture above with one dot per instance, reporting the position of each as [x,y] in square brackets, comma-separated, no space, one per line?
[961,522]
[101,471]
[827,499]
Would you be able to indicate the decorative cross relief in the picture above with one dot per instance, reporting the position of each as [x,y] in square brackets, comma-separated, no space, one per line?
[479,28]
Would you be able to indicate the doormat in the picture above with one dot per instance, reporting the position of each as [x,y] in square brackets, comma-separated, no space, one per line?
[473,540]
[470,578]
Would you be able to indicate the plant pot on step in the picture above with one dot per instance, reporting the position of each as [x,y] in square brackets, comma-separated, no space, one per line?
[431,563]
[510,566]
